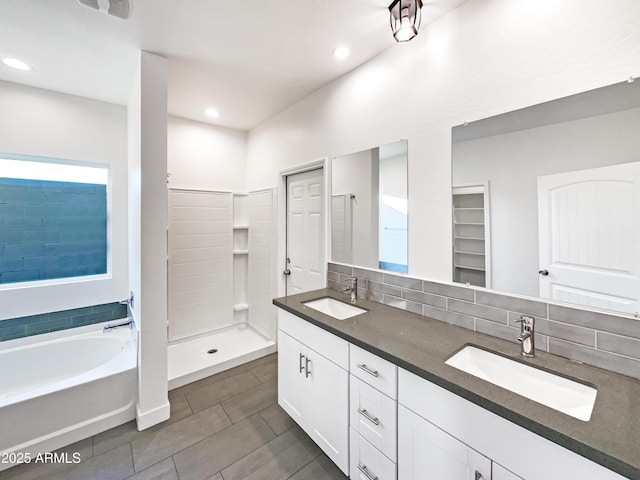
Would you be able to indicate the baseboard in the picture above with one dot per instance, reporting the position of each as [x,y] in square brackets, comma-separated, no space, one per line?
[152,417]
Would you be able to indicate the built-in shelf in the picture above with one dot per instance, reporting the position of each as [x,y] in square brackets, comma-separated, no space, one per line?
[464,267]
[470,228]
[240,258]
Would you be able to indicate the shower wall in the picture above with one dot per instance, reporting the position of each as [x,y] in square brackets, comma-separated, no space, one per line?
[200,262]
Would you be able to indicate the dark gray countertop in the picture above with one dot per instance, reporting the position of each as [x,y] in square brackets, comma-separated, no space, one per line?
[421,345]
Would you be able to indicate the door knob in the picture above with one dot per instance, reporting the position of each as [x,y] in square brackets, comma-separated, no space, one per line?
[286,271]
[543,272]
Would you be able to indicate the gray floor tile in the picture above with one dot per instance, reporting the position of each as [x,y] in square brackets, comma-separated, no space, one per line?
[33,471]
[215,393]
[158,443]
[115,464]
[267,371]
[222,449]
[165,470]
[177,392]
[320,469]
[264,442]
[278,459]
[277,418]
[252,401]
[120,435]
[179,409]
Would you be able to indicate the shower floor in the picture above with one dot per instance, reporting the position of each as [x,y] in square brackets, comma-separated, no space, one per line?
[189,361]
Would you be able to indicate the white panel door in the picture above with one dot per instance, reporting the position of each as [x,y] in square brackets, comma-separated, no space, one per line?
[294,388]
[305,231]
[427,453]
[589,235]
[329,416]
[200,264]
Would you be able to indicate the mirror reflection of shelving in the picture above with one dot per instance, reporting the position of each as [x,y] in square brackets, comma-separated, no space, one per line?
[470,236]
[240,258]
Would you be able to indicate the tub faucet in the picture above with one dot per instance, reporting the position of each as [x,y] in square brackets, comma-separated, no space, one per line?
[527,336]
[352,289]
[112,326]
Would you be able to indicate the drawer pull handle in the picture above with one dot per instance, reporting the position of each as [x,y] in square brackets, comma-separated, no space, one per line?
[479,476]
[362,366]
[365,472]
[301,365]
[307,372]
[366,415]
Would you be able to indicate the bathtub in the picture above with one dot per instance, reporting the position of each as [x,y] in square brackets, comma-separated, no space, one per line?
[61,387]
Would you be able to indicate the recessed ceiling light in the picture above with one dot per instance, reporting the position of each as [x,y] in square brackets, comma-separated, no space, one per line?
[341,52]
[212,112]
[15,63]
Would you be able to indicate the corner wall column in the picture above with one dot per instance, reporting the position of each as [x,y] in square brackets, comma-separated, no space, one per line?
[147,125]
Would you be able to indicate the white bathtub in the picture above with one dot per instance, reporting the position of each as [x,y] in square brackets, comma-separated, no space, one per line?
[61,387]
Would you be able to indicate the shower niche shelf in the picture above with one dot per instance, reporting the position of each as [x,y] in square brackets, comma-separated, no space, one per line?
[240,258]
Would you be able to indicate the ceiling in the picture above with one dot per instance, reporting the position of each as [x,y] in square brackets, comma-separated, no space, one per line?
[247,59]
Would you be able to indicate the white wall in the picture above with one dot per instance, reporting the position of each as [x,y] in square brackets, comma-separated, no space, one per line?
[206,157]
[512,163]
[49,124]
[485,58]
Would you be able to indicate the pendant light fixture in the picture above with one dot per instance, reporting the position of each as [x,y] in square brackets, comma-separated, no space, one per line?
[404,16]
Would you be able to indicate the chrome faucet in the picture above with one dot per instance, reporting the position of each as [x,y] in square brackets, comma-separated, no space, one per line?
[352,289]
[527,335]
[113,326]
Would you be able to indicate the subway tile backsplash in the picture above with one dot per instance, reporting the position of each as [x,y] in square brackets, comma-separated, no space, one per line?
[13,328]
[611,342]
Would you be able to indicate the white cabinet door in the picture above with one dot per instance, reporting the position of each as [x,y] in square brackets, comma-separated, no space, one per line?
[427,453]
[315,393]
[294,388]
[329,415]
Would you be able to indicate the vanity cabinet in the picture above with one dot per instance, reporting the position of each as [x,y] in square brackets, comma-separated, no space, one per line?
[313,384]
[429,414]
[427,452]
[375,420]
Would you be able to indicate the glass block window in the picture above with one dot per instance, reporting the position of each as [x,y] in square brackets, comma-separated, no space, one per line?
[53,220]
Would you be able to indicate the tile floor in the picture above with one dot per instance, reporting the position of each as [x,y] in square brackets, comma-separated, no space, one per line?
[224,427]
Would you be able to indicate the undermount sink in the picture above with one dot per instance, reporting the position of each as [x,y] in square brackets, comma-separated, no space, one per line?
[334,308]
[560,393]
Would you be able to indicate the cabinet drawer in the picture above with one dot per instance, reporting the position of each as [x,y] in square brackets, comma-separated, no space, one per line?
[366,462]
[373,415]
[334,348]
[372,369]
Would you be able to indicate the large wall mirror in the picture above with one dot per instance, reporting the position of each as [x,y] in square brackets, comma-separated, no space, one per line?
[546,200]
[369,208]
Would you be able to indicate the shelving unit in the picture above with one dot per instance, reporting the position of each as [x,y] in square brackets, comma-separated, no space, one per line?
[470,235]
[240,258]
